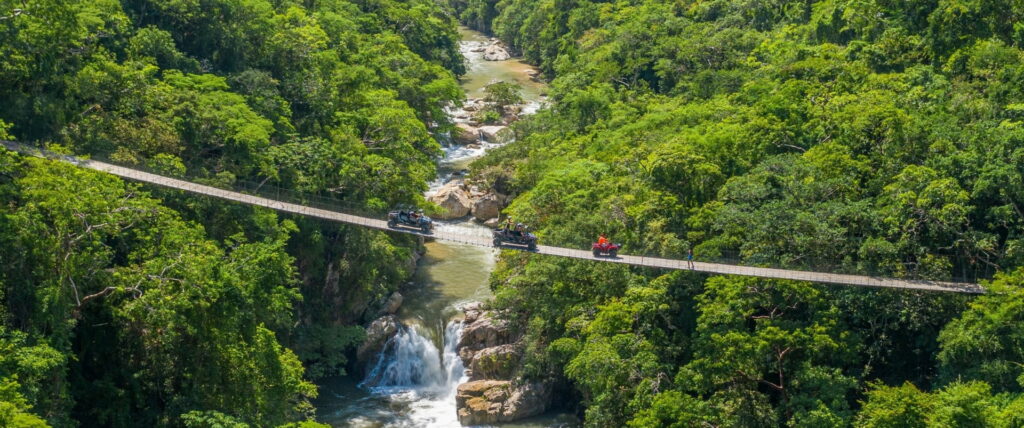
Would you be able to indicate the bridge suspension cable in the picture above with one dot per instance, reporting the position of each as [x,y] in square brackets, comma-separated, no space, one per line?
[453,234]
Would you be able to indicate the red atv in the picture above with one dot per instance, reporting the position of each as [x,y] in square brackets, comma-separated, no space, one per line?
[612,250]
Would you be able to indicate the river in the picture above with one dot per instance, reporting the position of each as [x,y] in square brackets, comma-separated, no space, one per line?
[413,383]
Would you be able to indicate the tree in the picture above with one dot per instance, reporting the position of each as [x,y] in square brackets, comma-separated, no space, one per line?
[903,406]
[151,308]
[24,371]
[779,335]
[503,94]
[983,343]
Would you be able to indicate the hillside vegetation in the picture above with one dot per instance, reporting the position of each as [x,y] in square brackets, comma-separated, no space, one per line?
[123,306]
[881,137]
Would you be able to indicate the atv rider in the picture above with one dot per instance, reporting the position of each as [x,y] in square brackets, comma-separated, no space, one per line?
[602,240]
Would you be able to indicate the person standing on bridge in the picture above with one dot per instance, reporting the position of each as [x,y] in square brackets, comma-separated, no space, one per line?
[689,257]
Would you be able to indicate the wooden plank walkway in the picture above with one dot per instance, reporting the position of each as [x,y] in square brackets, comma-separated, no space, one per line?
[463,236]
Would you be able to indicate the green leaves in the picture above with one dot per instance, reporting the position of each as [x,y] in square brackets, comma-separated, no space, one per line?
[866,136]
[169,312]
[503,94]
[25,370]
[985,343]
[776,338]
[923,210]
[903,406]
[186,320]
[958,404]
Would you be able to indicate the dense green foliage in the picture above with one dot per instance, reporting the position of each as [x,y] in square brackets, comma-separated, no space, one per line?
[878,136]
[146,304]
[127,308]
[500,99]
[870,136]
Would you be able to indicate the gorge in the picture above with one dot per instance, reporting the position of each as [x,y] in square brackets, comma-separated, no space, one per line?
[413,380]
[820,206]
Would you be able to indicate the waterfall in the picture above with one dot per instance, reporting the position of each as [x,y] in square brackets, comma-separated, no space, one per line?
[411,361]
[455,371]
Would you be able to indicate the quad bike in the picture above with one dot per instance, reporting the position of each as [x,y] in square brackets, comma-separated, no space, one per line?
[517,236]
[410,218]
[600,249]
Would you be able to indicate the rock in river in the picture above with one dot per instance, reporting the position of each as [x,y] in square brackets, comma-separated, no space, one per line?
[492,223]
[465,134]
[490,133]
[496,52]
[498,362]
[377,334]
[453,199]
[493,401]
[483,332]
[486,207]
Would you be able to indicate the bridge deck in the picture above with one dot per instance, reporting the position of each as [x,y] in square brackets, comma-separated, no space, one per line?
[450,233]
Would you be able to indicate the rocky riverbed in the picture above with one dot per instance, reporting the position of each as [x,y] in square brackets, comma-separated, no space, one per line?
[492,354]
[458,199]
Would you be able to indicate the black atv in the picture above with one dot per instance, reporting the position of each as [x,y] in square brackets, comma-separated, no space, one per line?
[410,218]
[518,236]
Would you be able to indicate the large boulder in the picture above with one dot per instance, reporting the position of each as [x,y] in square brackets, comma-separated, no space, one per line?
[494,401]
[486,207]
[472,105]
[511,113]
[498,362]
[490,132]
[377,335]
[496,52]
[464,133]
[453,199]
[472,311]
[484,332]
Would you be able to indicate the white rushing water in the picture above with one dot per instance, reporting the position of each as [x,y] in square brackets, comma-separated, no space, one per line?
[412,370]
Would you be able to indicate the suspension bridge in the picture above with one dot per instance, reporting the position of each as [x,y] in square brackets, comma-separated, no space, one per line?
[461,235]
